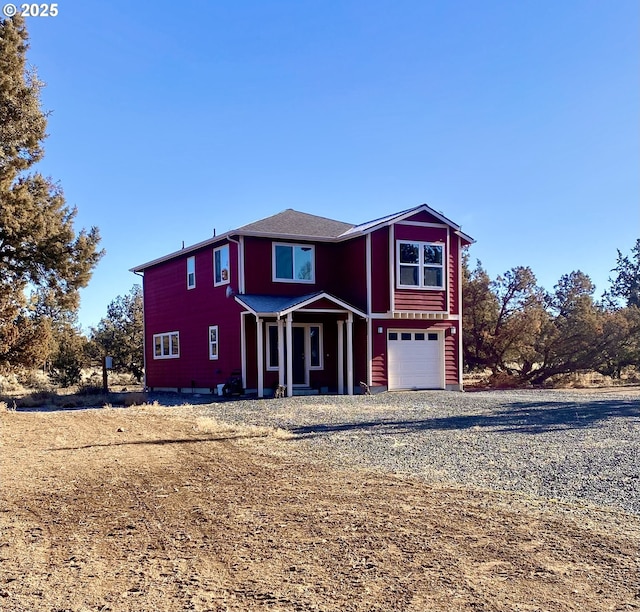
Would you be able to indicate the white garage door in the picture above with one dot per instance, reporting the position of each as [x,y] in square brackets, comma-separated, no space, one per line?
[416,360]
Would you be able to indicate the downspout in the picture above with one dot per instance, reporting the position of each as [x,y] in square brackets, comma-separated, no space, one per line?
[243,350]
[260,356]
[144,333]
[460,321]
[392,269]
[241,289]
[240,244]
[447,280]
[369,307]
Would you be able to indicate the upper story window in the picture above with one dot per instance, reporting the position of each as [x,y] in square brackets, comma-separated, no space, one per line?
[420,265]
[166,346]
[221,275]
[294,263]
[191,272]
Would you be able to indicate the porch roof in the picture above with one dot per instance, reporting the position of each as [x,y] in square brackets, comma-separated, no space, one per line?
[280,305]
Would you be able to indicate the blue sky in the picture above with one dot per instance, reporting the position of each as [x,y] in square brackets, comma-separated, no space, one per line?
[518,120]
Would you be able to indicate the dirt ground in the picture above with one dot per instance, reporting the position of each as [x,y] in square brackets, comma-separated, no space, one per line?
[159,509]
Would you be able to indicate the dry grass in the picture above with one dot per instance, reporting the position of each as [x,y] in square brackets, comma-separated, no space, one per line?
[210,425]
[576,380]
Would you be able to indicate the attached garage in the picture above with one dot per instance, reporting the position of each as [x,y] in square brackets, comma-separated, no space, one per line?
[415,360]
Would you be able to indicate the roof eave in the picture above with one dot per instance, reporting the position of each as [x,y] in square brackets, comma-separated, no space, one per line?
[185,250]
[390,220]
[464,236]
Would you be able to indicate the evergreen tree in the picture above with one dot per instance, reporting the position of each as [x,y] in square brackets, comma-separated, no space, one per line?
[626,285]
[39,247]
[120,334]
[480,312]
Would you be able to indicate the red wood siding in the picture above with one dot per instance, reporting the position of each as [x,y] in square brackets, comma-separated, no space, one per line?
[450,358]
[419,232]
[420,300]
[170,306]
[379,354]
[454,280]
[348,272]
[380,271]
[423,217]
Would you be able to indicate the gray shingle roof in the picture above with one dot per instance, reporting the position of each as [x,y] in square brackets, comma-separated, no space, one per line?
[295,223]
[277,305]
[273,303]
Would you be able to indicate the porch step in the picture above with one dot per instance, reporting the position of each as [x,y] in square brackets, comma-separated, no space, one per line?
[305,391]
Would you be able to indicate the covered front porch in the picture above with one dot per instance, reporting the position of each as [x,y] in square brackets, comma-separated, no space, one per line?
[299,343]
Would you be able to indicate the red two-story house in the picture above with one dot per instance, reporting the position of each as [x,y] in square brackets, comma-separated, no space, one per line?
[310,303]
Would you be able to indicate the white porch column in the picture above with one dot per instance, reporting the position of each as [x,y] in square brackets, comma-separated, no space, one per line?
[289,355]
[340,357]
[259,344]
[243,348]
[350,353]
[280,352]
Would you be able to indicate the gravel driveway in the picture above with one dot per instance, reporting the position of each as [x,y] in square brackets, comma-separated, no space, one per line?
[561,445]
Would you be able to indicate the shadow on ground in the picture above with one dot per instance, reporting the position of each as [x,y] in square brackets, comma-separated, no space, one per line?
[522,417]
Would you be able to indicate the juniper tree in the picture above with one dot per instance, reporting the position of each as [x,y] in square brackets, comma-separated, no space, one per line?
[120,334]
[39,247]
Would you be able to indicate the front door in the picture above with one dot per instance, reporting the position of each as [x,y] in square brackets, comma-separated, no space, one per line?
[298,357]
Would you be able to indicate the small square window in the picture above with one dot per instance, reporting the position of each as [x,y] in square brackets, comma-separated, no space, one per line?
[419,336]
[393,336]
[432,336]
[405,336]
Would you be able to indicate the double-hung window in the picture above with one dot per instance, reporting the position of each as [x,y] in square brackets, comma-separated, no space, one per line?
[293,263]
[221,265]
[420,265]
[166,346]
[213,342]
[191,272]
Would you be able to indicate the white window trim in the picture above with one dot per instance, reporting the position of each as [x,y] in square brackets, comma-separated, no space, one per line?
[161,336]
[191,260]
[421,266]
[293,245]
[216,343]
[222,282]
[307,344]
